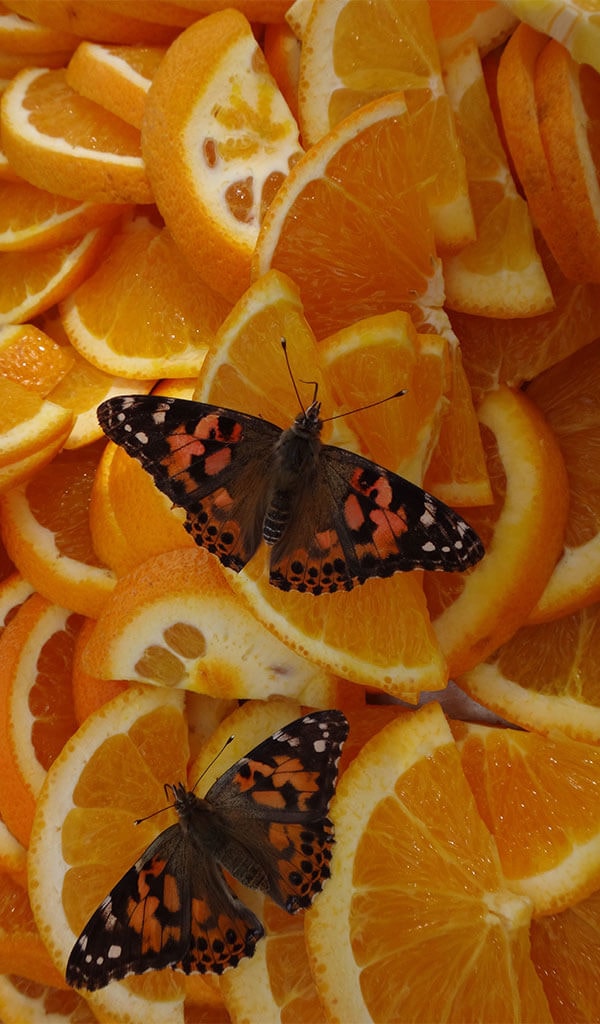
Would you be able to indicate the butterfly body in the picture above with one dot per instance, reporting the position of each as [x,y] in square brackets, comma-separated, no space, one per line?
[332,518]
[264,821]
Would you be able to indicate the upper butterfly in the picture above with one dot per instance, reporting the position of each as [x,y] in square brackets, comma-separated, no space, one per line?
[333,518]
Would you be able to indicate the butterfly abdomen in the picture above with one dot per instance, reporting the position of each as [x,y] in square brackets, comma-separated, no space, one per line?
[296,468]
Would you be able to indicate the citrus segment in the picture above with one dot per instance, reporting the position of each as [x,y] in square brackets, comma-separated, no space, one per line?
[417,892]
[45,528]
[355,248]
[574,23]
[567,395]
[455,22]
[353,54]
[524,786]
[563,949]
[64,143]
[31,282]
[21,949]
[35,219]
[523,532]
[546,677]
[218,140]
[116,77]
[32,431]
[143,270]
[31,358]
[91,20]
[165,624]
[110,773]
[500,274]
[35,704]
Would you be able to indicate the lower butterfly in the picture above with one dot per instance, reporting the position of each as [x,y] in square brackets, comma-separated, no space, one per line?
[264,820]
[331,517]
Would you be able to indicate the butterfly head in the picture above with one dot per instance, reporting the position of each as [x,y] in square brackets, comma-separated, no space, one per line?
[308,423]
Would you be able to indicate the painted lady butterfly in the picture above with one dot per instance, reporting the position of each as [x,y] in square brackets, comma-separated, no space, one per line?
[333,518]
[264,820]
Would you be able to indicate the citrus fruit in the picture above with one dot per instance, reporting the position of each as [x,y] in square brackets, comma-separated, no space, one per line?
[32,431]
[22,952]
[34,219]
[519,111]
[377,634]
[523,533]
[35,704]
[567,395]
[545,677]
[45,529]
[32,358]
[564,950]
[116,77]
[31,282]
[23,1001]
[143,270]
[89,693]
[417,892]
[165,625]
[22,35]
[500,273]
[218,139]
[13,856]
[69,145]
[109,774]
[282,52]
[92,20]
[353,54]
[455,22]
[14,591]
[572,22]
[524,786]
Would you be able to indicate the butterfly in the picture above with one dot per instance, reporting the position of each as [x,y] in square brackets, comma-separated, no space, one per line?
[331,517]
[264,821]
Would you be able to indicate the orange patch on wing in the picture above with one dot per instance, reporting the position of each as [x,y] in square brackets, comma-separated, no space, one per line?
[217,461]
[269,798]
[171,893]
[201,913]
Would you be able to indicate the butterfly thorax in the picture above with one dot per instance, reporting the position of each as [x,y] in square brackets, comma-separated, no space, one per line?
[296,467]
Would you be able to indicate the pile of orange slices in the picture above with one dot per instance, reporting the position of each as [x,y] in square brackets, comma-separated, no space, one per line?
[408,191]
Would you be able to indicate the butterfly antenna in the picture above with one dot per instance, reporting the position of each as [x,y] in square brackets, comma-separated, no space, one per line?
[167,807]
[292,378]
[210,763]
[380,401]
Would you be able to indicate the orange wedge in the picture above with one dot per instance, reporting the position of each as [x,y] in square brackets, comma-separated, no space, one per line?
[143,270]
[455,22]
[45,528]
[354,53]
[567,395]
[218,140]
[500,274]
[92,20]
[32,431]
[523,533]
[31,358]
[34,219]
[22,952]
[116,77]
[549,842]
[417,892]
[66,144]
[31,282]
[282,52]
[22,35]
[573,23]
[164,625]
[563,949]
[24,1000]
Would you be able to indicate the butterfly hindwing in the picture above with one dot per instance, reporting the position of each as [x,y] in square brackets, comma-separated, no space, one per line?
[213,462]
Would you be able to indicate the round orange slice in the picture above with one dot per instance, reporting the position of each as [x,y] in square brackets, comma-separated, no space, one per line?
[218,139]
[66,144]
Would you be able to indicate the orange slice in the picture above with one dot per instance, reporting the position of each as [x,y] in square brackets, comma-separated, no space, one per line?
[355,248]
[282,52]
[45,528]
[573,23]
[523,533]
[567,395]
[165,624]
[417,891]
[92,20]
[549,843]
[24,1000]
[353,54]
[568,103]
[35,704]
[116,77]
[22,952]
[65,143]
[377,634]
[22,35]
[110,773]
[218,140]
[143,270]
[32,431]
[90,693]
[31,358]
[31,282]
[35,219]
[563,949]
[500,274]
[455,22]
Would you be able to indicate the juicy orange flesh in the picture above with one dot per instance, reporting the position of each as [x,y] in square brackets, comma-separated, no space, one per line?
[59,497]
[426,875]
[384,249]
[15,911]
[17,405]
[38,364]
[564,949]
[567,394]
[122,781]
[451,19]
[536,814]
[560,658]
[290,978]
[25,274]
[50,698]
[58,111]
[143,59]
[62,1002]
